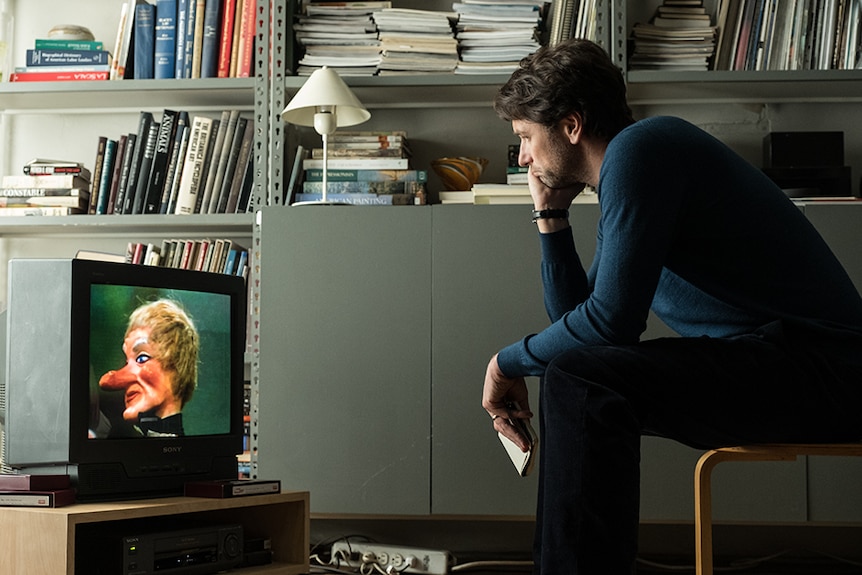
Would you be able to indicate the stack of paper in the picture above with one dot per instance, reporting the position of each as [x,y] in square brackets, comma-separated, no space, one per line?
[341,35]
[679,37]
[493,35]
[416,41]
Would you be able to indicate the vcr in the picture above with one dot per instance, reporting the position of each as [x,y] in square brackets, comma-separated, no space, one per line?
[150,548]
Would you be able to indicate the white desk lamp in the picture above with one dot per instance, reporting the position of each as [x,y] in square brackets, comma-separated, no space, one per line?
[326,103]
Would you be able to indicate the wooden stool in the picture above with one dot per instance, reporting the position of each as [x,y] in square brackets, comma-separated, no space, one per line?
[765,452]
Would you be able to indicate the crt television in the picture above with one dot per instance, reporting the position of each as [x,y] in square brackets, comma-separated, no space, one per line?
[71,402]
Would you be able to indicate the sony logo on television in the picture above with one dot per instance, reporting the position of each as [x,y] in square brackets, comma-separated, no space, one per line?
[172,449]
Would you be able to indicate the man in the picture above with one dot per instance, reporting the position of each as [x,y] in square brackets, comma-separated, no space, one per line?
[160,375]
[770,323]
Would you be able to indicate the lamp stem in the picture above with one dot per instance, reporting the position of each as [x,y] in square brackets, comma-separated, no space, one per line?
[324,196]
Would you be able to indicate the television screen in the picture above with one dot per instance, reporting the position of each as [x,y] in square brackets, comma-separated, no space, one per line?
[160,362]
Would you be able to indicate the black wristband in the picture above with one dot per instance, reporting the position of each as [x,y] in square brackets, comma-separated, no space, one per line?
[549,214]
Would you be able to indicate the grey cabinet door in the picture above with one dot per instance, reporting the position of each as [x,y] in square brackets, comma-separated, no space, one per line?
[486,294]
[345,325]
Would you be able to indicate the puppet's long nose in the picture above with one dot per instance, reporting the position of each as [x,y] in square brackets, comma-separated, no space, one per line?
[117,379]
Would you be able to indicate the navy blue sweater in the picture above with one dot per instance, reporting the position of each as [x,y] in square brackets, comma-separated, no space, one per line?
[693,231]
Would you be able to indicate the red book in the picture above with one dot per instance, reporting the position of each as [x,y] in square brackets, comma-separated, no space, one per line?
[246,41]
[49,76]
[226,40]
[14,482]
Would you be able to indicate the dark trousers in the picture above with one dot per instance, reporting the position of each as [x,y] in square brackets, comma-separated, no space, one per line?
[776,385]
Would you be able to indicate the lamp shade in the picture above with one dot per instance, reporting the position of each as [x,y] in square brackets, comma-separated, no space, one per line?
[325,91]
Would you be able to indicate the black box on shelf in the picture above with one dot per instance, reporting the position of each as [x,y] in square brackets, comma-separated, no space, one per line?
[803,149]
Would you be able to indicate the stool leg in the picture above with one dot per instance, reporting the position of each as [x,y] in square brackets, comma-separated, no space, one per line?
[703,512]
[703,494]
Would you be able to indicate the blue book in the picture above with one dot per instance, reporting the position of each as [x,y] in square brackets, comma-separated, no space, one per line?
[106,177]
[182,24]
[66,57]
[166,39]
[145,36]
[191,18]
[211,39]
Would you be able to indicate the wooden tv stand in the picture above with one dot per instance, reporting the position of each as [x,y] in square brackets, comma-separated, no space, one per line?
[41,541]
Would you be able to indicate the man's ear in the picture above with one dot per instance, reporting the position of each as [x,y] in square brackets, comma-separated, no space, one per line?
[573,127]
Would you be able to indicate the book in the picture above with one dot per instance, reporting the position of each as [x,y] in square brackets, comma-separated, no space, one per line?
[364,187]
[348,152]
[66,44]
[78,201]
[523,461]
[289,194]
[228,11]
[193,165]
[211,38]
[48,498]
[361,199]
[22,181]
[100,257]
[174,160]
[181,156]
[117,173]
[40,211]
[105,175]
[125,169]
[191,23]
[208,164]
[58,76]
[118,42]
[198,37]
[232,488]
[41,167]
[235,40]
[145,38]
[239,172]
[161,155]
[142,185]
[97,173]
[245,52]
[367,175]
[44,192]
[165,46]
[145,119]
[39,58]
[357,164]
[182,23]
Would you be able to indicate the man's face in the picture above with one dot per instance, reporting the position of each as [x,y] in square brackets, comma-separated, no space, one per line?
[551,156]
[147,385]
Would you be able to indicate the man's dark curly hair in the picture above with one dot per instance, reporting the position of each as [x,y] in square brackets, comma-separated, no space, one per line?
[572,76]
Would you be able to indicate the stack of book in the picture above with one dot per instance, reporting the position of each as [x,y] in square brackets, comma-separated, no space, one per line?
[573,19]
[223,256]
[341,35]
[679,37]
[365,167]
[492,193]
[515,173]
[184,39]
[417,41]
[494,35]
[180,164]
[46,188]
[35,490]
[59,60]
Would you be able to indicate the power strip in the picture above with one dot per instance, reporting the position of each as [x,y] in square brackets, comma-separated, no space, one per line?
[392,558]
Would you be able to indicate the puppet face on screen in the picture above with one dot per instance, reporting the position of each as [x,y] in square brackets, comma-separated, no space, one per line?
[147,384]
